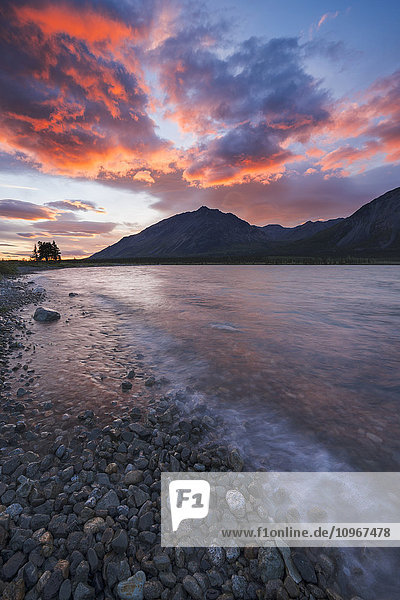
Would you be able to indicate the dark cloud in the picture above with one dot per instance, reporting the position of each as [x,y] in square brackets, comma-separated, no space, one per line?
[17,209]
[75,205]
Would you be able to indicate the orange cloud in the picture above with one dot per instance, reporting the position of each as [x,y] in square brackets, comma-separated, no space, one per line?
[86,23]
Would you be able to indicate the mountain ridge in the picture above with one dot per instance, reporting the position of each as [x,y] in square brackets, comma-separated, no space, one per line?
[375,227]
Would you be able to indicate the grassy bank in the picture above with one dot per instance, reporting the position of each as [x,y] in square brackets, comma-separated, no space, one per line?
[8,267]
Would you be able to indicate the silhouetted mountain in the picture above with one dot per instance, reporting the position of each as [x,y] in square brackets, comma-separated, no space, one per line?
[202,232]
[278,233]
[373,229]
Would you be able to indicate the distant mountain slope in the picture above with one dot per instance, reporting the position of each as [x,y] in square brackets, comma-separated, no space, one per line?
[375,227]
[278,233]
[204,231]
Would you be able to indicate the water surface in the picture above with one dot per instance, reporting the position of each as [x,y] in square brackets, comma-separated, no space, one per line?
[302,360]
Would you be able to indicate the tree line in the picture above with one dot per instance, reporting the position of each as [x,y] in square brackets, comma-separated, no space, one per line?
[46,251]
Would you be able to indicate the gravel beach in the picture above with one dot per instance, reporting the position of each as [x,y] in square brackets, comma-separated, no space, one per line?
[80,513]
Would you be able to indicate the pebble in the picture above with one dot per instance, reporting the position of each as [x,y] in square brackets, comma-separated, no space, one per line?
[270,564]
[192,587]
[132,588]
[236,503]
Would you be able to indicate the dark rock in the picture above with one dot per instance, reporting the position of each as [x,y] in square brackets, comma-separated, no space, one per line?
[10,465]
[152,590]
[30,574]
[12,566]
[44,315]
[192,587]
[52,585]
[239,585]
[109,500]
[83,592]
[270,564]
[304,567]
[120,542]
[271,589]
[162,562]
[133,477]
[65,590]
[145,521]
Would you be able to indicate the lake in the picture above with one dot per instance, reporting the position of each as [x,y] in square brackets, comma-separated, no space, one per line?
[301,361]
[301,364]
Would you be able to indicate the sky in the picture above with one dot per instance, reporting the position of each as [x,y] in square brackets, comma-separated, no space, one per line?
[115,114]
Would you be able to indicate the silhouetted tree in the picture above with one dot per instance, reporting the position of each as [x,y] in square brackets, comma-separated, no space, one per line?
[48,251]
[35,255]
[56,251]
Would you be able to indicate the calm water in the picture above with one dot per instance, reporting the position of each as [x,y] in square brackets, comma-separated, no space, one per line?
[301,361]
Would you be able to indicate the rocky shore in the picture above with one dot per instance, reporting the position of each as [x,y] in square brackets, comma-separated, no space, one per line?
[80,516]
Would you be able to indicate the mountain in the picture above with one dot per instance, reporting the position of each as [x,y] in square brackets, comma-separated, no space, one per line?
[374,229]
[202,232]
[278,233]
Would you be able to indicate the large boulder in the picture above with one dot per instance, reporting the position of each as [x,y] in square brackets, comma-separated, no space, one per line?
[45,315]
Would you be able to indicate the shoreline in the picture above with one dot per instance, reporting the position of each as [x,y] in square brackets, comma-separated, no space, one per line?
[81,516]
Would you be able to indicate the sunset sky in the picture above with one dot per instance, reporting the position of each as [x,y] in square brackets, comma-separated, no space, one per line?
[118,113]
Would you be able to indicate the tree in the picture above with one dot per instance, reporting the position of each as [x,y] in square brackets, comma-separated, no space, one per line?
[48,251]
[56,251]
[35,255]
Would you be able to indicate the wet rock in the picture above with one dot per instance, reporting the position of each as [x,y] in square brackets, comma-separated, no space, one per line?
[30,574]
[236,503]
[126,386]
[52,585]
[152,590]
[14,510]
[83,592]
[92,559]
[216,555]
[120,542]
[132,588]
[192,587]
[109,500]
[65,591]
[235,460]
[11,465]
[162,562]
[232,554]
[45,315]
[133,477]
[289,564]
[270,564]
[239,585]
[12,566]
[272,589]
[304,566]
